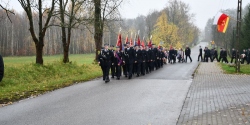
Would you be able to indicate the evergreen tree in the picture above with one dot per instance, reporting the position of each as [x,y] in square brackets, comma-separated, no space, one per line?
[245,39]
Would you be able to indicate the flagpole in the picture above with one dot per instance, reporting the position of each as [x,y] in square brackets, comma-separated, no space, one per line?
[239,10]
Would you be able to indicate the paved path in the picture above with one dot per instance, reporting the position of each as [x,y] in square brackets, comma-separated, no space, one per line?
[215,98]
[156,99]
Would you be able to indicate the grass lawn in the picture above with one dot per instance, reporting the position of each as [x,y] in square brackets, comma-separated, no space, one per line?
[23,78]
[79,58]
[244,69]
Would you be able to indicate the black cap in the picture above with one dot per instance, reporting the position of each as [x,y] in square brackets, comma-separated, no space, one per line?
[106,44]
[124,44]
[117,47]
[127,43]
[111,45]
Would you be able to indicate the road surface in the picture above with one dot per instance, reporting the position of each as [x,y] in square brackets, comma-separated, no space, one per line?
[155,98]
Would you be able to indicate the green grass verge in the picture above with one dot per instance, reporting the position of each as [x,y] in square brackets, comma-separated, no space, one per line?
[20,60]
[29,79]
[244,69]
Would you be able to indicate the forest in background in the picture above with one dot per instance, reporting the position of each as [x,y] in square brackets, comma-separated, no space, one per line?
[171,26]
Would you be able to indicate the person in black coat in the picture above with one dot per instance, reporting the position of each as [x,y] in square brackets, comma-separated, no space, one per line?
[138,60]
[1,68]
[206,54]
[156,56]
[112,62]
[105,58]
[200,54]
[224,56]
[124,66]
[233,56]
[188,53]
[129,57]
[248,56]
[221,54]
[118,62]
[148,59]
[144,60]
[215,56]
[171,55]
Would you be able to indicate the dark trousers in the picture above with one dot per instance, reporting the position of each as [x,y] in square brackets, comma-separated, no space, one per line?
[156,64]
[220,58]
[103,72]
[224,59]
[189,58]
[147,69]
[118,71]
[124,68]
[106,69]
[138,68]
[233,58]
[113,70]
[200,56]
[243,60]
[215,57]
[130,69]
[143,68]
[152,65]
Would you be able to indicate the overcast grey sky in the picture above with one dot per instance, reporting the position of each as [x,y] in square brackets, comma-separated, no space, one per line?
[203,9]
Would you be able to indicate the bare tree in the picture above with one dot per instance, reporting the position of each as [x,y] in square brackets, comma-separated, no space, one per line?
[29,6]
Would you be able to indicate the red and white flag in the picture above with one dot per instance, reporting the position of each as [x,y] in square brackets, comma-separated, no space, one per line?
[221,20]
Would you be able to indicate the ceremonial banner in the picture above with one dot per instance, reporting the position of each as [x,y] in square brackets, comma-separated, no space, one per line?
[221,20]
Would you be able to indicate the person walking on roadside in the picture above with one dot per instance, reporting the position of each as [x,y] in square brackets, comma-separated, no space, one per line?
[1,68]
[129,55]
[248,56]
[233,56]
[118,62]
[188,53]
[215,56]
[105,58]
[221,53]
[206,54]
[243,56]
[224,56]
[200,54]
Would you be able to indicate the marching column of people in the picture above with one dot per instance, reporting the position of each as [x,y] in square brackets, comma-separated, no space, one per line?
[137,60]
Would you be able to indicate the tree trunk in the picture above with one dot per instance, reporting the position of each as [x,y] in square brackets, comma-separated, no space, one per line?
[98,28]
[39,53]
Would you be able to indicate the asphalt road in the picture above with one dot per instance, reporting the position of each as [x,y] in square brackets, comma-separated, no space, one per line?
[156,99]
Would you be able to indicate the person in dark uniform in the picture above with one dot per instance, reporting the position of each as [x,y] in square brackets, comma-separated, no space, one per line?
[233,56]
[129,59]
[156,56]
[200,54]
[144,58]
[206,54]
[211,54]
[118,62]
[1,68]
[162,56]
[224,56]
[248,56]
[171,55]
[148,58]
[221,54]
[112,62]
[215,56]
[188,53]
[101,63]
[175,54]
[106,55]
[124,66]
[138,60]
[244,56]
